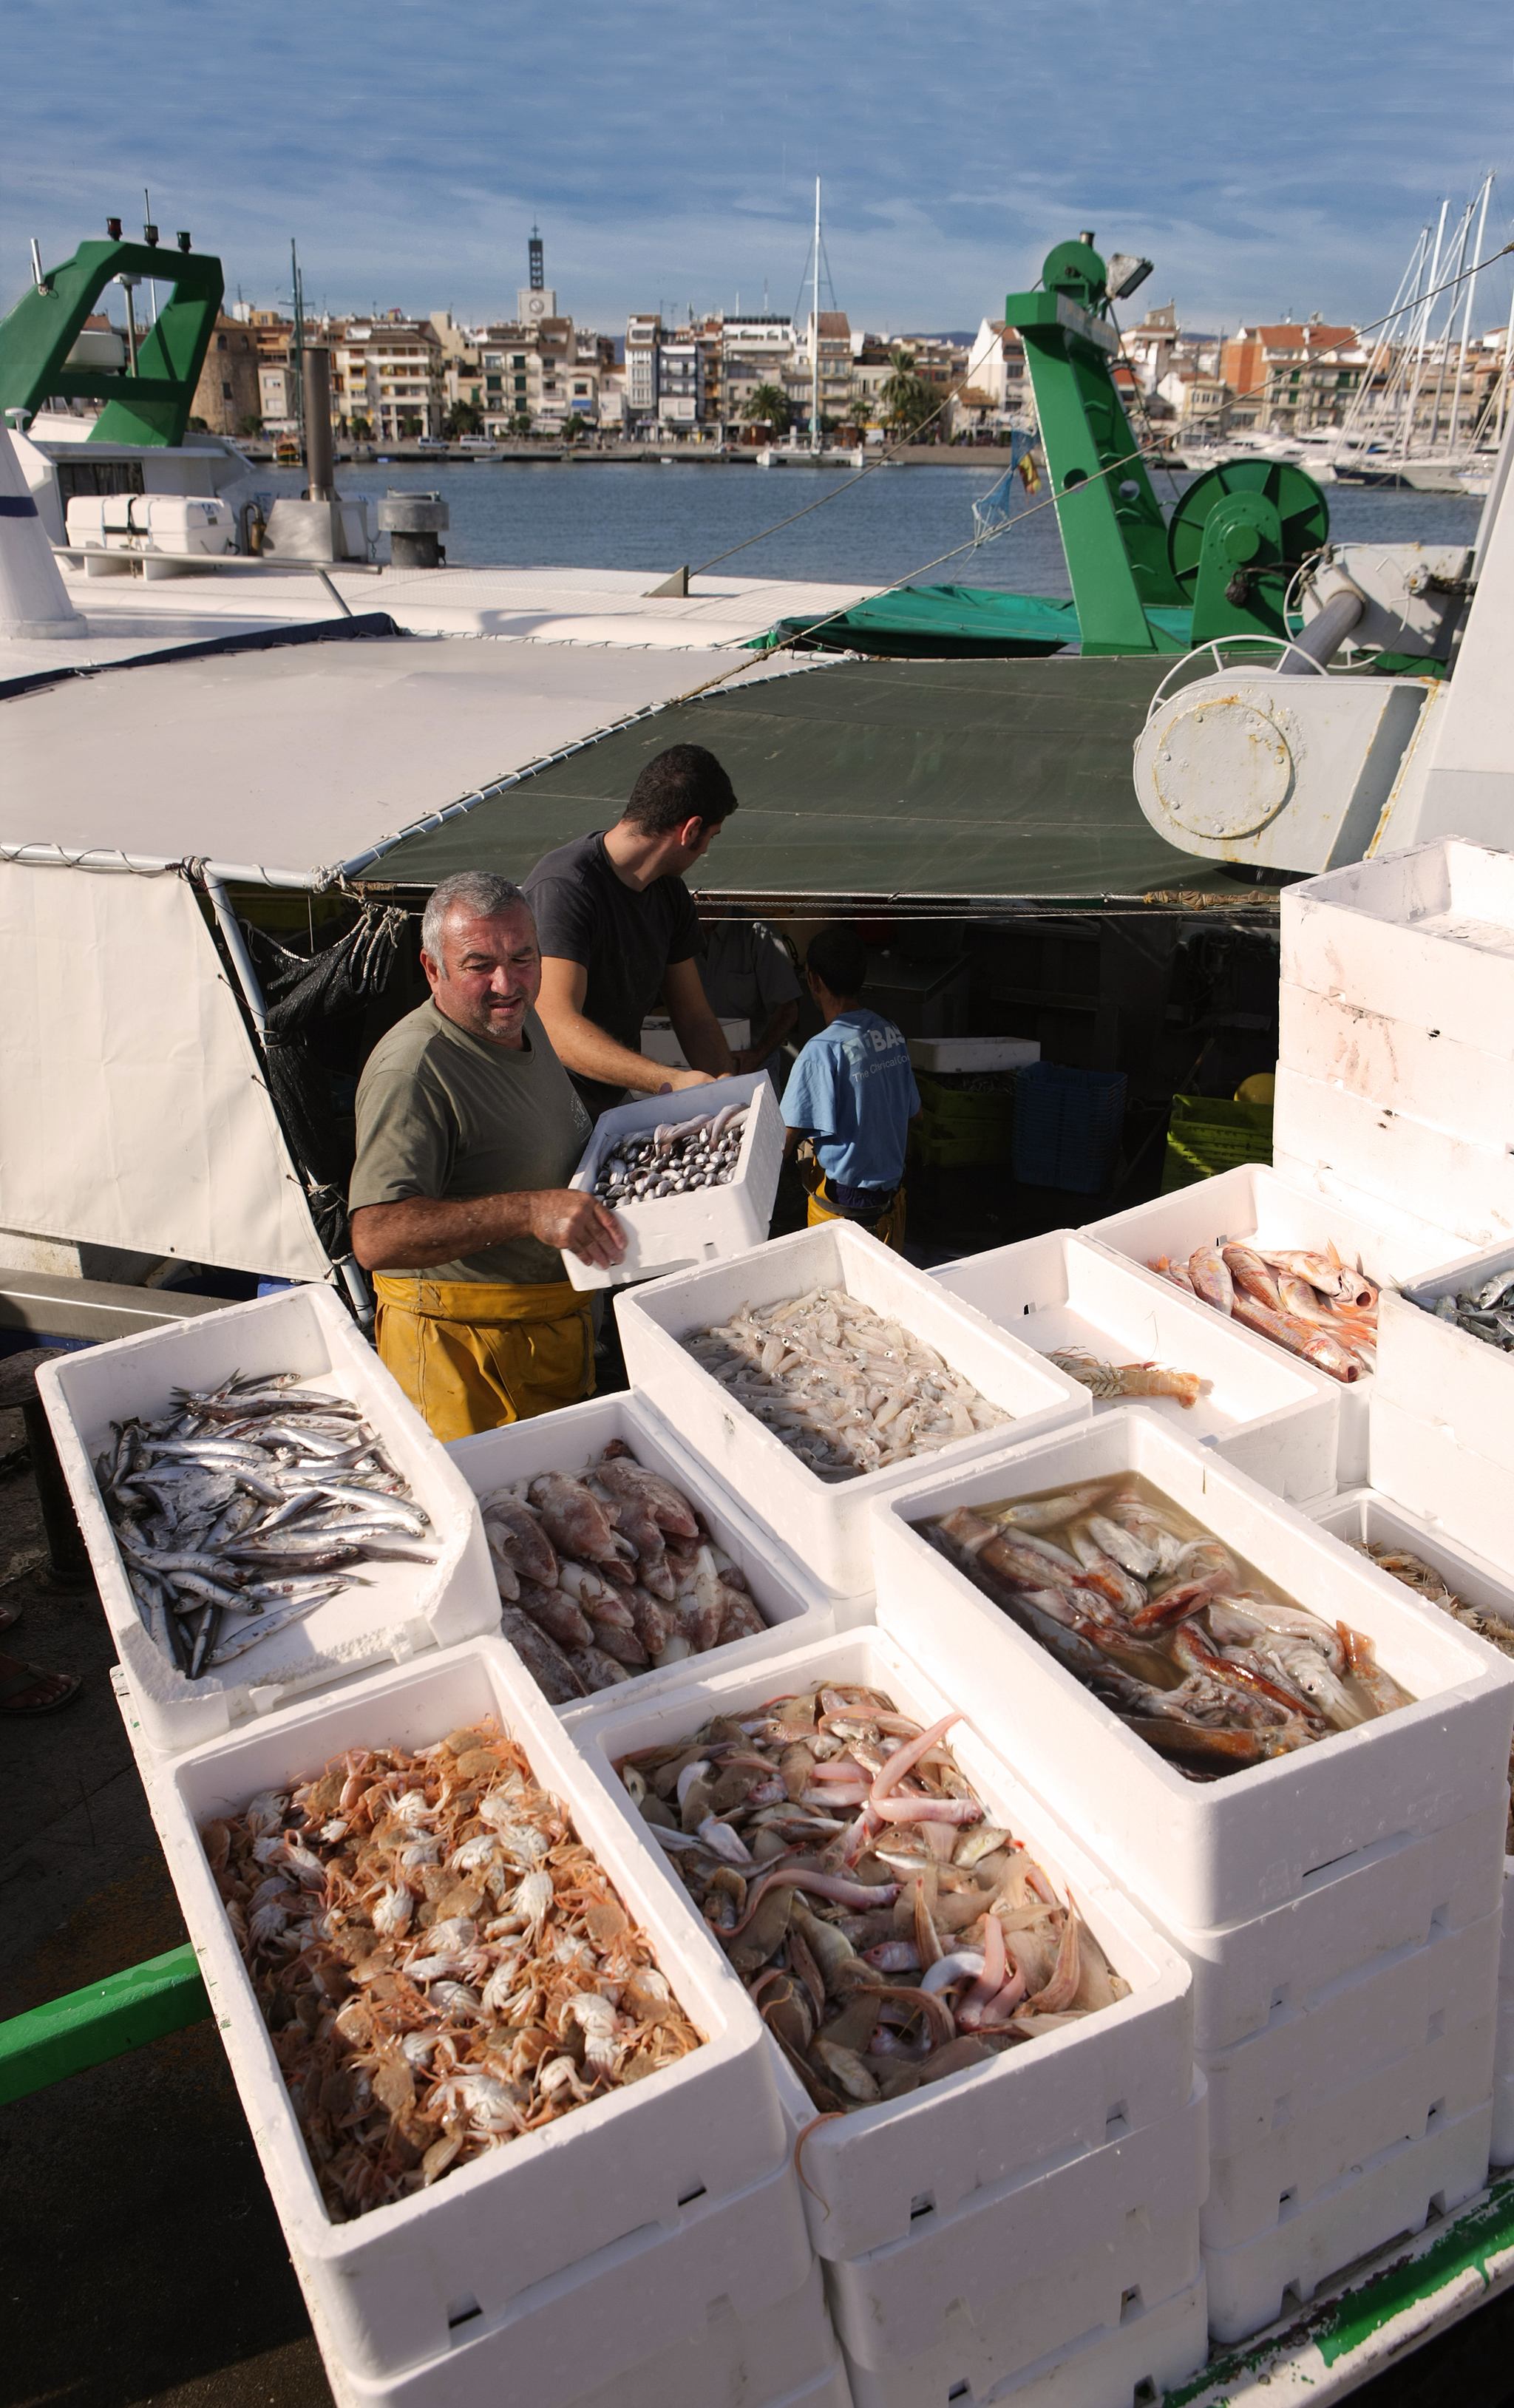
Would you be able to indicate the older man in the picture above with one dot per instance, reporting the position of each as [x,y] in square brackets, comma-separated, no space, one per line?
[467,1132]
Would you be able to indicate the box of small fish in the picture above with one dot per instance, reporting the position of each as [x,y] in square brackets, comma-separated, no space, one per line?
[692,1177]
[263,1510]
[1285,1272]
[1220,1697]
[619,1558]
[475,2047]
[813,1374]
[997,2042]
[1128,1340]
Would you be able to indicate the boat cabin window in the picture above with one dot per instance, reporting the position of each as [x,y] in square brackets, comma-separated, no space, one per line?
[98,477]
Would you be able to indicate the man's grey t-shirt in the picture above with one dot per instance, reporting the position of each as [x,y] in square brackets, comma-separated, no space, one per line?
[624,940]
[442,1114]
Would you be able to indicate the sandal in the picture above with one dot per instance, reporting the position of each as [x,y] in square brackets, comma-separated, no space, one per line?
[10,1616]
[28,1677]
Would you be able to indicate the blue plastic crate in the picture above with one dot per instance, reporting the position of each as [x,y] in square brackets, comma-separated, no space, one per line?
[1067,1126]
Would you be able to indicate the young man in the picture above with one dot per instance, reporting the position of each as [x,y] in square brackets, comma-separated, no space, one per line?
[852,1094]
[618,934]
[468,1131]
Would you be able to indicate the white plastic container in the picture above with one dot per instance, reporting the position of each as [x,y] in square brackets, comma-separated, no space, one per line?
[1203,1853]
[956,1057]
[1384,1151]
[1372,2204]
[1461,1089]
[1150,2350]
[394,2287]
[677,1233]
[980,2297]
[572,1440]
[1255,1204]
[883,2175]
[660,1044]
[1501,2145]
[1432,1467]
[1425,935]
[406,1611]
[1271,1416]
[728,2309]
[1436,1372]
[825,1523]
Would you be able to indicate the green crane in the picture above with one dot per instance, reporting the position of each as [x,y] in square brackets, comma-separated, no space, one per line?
[150,401]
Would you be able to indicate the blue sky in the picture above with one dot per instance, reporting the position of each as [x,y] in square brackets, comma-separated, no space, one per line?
[1268,158]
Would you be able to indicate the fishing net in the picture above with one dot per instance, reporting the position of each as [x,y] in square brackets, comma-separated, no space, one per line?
[307,998]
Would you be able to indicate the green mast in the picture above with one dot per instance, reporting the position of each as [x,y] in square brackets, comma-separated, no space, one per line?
[151,405]
[1112,528]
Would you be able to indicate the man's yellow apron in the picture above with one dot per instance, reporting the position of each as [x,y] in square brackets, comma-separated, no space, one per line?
[889,1226]
[473,1353]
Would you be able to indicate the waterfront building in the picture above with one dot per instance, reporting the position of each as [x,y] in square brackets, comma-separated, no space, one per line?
[643,338]
[1290,378]
[998,392]
[387,374]
[228,399]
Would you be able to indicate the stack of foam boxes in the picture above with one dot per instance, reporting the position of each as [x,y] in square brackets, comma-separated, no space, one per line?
[648,2250]
[1339,1909]
[1026,2229]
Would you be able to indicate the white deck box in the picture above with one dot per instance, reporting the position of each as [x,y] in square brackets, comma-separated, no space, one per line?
[1371,2205]
[730,2309]
[572,1440]
[980,2297]
[1154,2346]
[1382,1152]
[394,2287]
[887,2172]
[1425,935]
[1274,1418]
[1202,1854]
[825,1523]
[1459,1089]
[1254,1204]
[677,1233]
[406,1608]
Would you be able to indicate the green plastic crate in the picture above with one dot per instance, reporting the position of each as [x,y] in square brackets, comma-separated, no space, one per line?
[1205,1136]
[961,1126]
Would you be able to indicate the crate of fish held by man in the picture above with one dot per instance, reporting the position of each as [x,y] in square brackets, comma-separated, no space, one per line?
[265,1511]
[1219,1697]
[1129,1341]
[814,1374]
[474,2046]
[908,1921]
[620,1557]
[690,1177]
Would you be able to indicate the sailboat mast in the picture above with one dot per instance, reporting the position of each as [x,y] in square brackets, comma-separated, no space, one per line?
[814,336]
[1406,438]
[1466,313]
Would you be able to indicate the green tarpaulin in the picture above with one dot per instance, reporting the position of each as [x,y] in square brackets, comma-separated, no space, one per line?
[932,781]
[960,622]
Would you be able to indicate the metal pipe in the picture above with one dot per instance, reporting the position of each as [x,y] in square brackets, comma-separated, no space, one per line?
[319,472]
[1325,635]
[246,977]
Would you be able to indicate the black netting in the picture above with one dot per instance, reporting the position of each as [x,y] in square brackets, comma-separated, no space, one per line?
[307,997]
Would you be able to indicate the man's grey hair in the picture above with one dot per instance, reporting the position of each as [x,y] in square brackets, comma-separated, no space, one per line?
[477,891]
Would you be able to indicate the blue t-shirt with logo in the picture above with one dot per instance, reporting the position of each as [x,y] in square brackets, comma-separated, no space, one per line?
[853,1092]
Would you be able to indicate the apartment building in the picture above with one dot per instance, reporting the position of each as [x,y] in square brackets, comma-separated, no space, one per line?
[387,374]
[998,392]
[833,338]
[1290,378]
[643,338]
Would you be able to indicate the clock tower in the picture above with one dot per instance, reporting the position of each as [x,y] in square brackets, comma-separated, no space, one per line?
[533,301]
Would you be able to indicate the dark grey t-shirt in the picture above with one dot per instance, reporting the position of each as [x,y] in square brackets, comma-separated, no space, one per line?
[443,1113]
[624,940]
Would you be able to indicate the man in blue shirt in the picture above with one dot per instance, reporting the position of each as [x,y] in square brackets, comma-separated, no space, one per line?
[852,1093]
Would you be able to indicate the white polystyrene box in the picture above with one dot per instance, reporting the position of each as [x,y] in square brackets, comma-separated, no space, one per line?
[1461,1089]
[1362,1914]
[728,2308]
[676,1233]
[1432,1468]
[1439,1374]
[1384,1151]
[1425,935]
[1254,1204]
[1214,1852]
[825,1523]
[1501,2146]
[1371,2205]
[1155,2345]
[405,1610]
[956,1057]
[660,1044]
[882,2172]
[708,2126]
[979,2297]
[572,1440]
[1269,1414]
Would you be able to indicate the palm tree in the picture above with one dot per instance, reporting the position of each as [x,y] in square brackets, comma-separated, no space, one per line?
[906,399]
[769,407]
